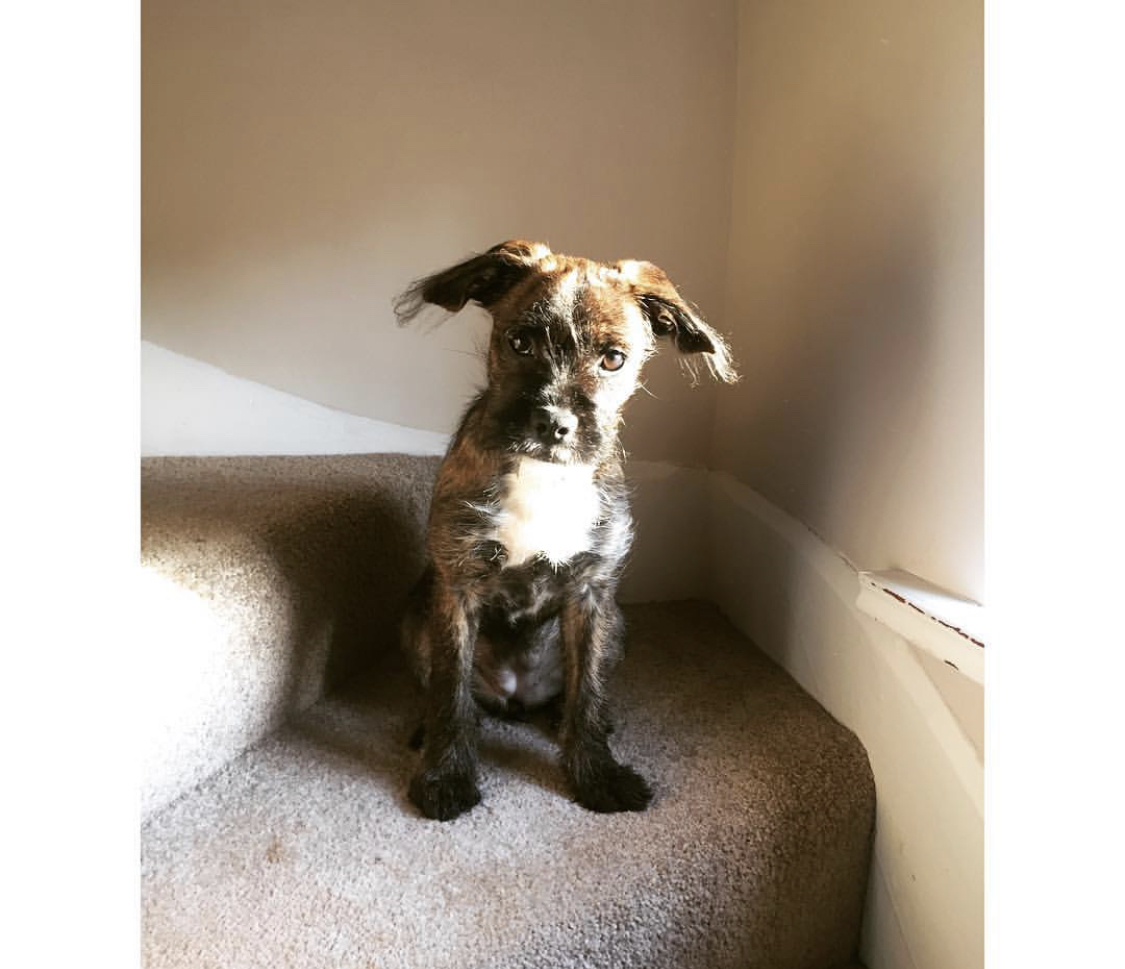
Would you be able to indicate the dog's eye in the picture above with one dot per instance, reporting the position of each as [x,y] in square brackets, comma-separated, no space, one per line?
[520,341]
[613,360]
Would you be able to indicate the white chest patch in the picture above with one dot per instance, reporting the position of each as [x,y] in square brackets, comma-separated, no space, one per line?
[546,509]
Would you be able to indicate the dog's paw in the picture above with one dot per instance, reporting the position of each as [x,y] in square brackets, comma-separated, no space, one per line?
[443,797]
[612,787]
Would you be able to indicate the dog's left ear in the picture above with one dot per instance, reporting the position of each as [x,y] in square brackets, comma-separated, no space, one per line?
[482,279]
[669,314]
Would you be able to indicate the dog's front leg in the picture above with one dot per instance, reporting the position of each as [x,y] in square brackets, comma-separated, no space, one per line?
[446,783]
[590,625]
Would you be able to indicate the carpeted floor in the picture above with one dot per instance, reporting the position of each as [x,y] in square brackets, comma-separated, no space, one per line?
[304,851]
[268,579]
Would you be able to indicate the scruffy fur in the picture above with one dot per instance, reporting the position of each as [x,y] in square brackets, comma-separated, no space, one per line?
[569,339]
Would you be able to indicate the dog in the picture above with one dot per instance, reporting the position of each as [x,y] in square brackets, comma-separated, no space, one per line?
[529,523]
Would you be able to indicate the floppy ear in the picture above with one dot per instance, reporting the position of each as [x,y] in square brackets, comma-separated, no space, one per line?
[483,279]
[670,315]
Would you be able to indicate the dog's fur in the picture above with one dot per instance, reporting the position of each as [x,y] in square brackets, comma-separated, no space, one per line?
[529,524]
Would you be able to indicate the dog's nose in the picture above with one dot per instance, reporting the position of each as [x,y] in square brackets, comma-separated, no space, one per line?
[553,424]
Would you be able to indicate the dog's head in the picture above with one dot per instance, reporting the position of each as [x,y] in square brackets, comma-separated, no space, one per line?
[569,339]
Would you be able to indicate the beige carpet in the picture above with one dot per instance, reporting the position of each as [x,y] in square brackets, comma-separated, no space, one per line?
[275,577]
[273,580]
[305,852]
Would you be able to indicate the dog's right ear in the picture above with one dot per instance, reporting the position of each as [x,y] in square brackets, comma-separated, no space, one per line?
[482,279]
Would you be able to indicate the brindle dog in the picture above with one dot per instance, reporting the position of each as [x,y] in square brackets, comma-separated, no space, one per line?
[529,524]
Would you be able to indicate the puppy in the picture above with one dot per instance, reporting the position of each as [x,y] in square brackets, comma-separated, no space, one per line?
[529,524]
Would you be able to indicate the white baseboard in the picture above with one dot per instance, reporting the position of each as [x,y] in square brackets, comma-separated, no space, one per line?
[796,598]
[948,627]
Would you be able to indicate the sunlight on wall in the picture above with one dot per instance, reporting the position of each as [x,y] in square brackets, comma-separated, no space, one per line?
[855,283]
[302,163]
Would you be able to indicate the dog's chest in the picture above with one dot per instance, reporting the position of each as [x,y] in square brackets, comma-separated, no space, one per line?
[546,509]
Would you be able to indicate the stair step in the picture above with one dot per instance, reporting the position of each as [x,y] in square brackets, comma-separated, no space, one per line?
[304,851]
[266,579]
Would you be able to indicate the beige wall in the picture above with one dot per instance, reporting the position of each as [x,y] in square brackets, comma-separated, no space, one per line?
[302,161]
[855,278]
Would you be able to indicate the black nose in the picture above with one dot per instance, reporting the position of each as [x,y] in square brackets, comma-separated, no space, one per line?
[553,424]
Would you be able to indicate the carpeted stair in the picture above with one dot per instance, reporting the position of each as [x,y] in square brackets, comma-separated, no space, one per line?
[278,832]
